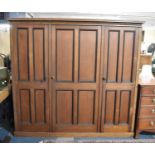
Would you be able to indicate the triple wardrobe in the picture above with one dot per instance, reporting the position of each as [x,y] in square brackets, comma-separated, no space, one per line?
[74,76]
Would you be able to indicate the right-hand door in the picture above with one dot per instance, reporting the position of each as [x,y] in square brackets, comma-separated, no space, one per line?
[119,67]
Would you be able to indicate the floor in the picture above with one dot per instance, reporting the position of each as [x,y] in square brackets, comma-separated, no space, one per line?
[7,137]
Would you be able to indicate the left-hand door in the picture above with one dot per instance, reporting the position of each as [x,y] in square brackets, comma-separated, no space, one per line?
[30,77]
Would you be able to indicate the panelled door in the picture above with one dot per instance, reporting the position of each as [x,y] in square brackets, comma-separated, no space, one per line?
[30,80]
[74,72]
[119,61]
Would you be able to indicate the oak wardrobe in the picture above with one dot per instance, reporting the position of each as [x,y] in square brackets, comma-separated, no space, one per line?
[74,77]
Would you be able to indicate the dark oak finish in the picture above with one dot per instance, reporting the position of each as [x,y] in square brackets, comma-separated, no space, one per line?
[74,134]
[147,100]
[119,78]
[146,108]
[74,76]
[30,77]
[147,111]
[146,123]
[148,90]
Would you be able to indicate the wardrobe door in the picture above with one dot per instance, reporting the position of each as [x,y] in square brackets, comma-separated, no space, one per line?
[30,77]
[75,77]
[119,64]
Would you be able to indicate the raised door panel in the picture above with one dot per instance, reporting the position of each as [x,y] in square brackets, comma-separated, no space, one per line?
[64,55]
[39,54]
[25,106]
[113,55]
[125,103]
[86,107]
[40,106]
[30,55]
[87,55]
[23,54]
[110,100]
[64,107]
[128,56]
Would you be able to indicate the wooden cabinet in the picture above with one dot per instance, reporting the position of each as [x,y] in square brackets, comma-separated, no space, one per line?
[146,108]
[74,76]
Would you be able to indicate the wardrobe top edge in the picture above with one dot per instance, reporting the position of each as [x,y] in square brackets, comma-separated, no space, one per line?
[73,20]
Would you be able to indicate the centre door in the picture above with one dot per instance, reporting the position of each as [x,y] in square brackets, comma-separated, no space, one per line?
[74,71]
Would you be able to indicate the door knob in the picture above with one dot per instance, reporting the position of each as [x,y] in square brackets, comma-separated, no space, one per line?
[103,78]
[152,123]
[52,77]
[153,110]
[153,100]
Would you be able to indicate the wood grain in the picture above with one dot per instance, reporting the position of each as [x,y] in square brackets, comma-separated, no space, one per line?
[30,55]
[77,51]
[76,77]
[119,76]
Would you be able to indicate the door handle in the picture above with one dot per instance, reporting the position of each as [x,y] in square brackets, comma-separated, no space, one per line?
[153,111]
[103,78]
[153,100]
[53,77]
[152,123]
